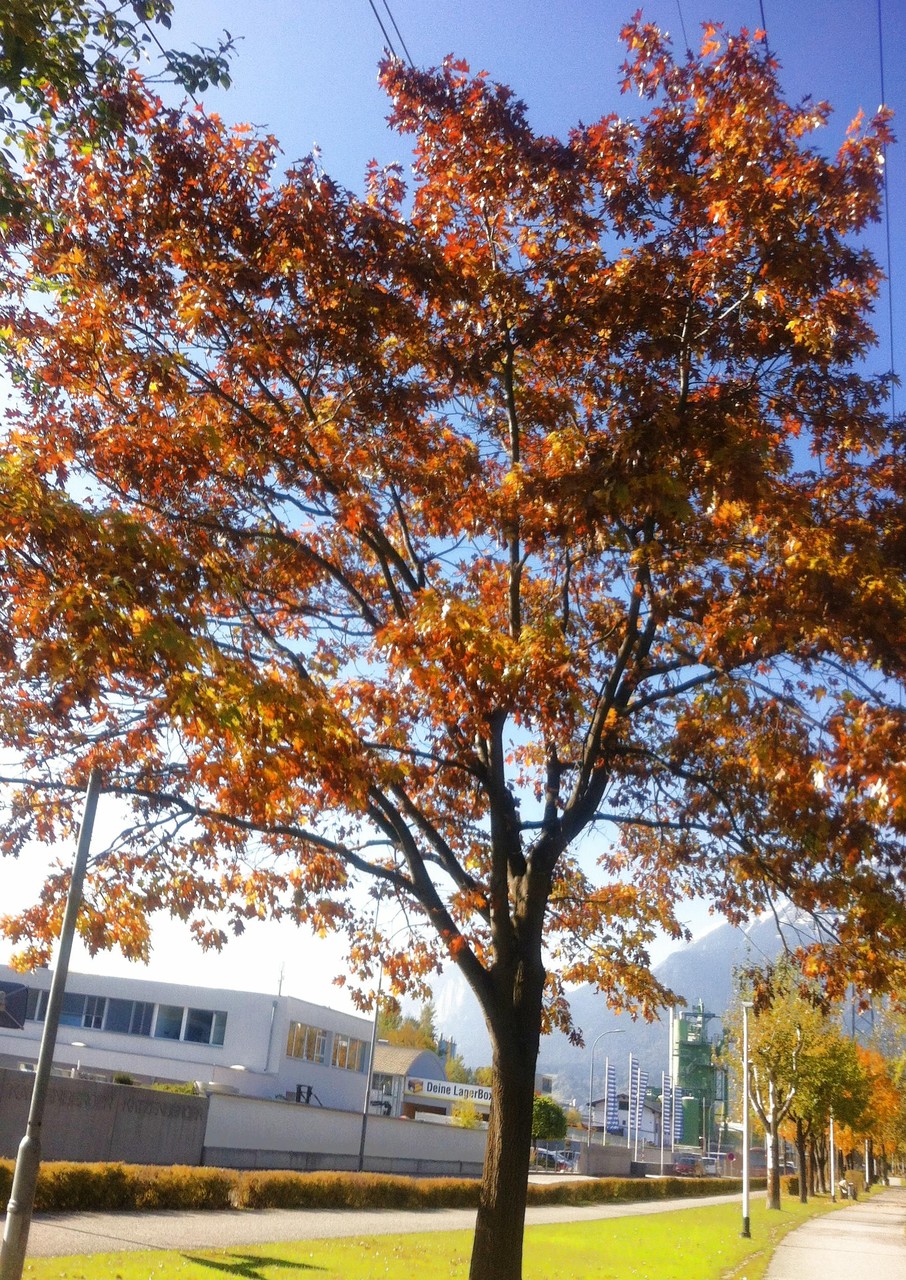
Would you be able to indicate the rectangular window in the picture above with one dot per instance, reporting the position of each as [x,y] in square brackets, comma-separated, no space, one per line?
[198,1026]
[119,1015]
[205,1026]
[36,1007]
[140,1023]
[348,1054]
[72,1010]
[168,1024]
[93,1015]
[308,1043]
[129,1017]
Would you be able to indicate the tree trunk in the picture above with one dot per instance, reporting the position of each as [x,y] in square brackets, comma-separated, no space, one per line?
[821,1152]
[497,1245]
[773,1195]
[801,1161]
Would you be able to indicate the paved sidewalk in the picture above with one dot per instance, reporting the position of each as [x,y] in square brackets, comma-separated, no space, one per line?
[864,1241]
[61,1234]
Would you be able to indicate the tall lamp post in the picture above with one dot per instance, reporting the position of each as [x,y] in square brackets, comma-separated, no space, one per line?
[366,1104]
[746,1221]
[613,1031]
[833,1162]
[28,1159]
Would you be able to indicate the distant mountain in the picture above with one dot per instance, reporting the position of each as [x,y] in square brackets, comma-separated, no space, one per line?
[701,970]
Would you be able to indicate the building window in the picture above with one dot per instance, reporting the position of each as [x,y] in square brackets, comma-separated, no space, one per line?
[384,1093]
[205,1026]
[134,1017]
[71,1010]
[348,1054]
[303,1041]
[168,1023]
[129,1017]
[36,1008]
[93,1014]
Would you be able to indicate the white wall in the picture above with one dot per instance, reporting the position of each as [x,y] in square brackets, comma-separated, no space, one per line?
[252,1133]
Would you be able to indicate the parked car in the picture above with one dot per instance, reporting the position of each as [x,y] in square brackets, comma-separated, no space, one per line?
[562,1161]
[686,1164]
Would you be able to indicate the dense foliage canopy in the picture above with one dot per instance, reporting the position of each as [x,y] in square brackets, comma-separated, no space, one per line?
[57,56]
[408,538]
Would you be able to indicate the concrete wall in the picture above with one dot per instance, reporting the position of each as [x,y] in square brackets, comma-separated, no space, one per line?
[249,1133]
[85,1120]
[612,1161]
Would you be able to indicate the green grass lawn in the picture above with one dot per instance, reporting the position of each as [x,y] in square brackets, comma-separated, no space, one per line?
[689,1244]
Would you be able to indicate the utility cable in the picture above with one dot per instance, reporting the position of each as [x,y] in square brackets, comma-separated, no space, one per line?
[399,33]
[679,9]
[764,27]
[387,41]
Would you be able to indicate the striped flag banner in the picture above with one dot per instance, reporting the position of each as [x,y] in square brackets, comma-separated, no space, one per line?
[666,1106]
[633,1089]
[640,1099]
[679,1127]
[612,1119]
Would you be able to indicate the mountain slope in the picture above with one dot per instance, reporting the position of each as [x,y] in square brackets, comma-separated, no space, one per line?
[701,970]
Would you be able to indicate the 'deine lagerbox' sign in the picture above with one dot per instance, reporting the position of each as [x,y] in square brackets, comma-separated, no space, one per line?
[447,1090]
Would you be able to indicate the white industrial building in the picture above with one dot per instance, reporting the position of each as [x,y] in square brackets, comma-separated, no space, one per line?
[230,1042]
[249,1043]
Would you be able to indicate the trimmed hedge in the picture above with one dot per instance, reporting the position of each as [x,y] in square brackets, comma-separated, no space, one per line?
[69,1187]
[65,1187]
[603,1190]
[282,1189]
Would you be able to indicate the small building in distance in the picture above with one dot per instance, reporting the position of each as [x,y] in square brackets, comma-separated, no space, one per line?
[411,1083]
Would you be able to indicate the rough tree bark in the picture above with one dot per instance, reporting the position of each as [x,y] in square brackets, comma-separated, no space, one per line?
[802,1160]
[497,1249]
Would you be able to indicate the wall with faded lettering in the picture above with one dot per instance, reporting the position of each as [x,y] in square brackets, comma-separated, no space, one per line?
[85,1120]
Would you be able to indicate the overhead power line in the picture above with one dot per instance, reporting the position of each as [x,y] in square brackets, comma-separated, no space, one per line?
[679,9]
[386,34]
[387,41]
[399,33]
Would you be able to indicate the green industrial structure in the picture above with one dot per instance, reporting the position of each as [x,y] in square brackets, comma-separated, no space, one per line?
[701,1082]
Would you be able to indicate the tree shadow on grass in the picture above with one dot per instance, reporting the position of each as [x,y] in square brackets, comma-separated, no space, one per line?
[247,1265]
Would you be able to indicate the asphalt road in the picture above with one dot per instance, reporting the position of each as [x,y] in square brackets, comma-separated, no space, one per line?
[58,1235]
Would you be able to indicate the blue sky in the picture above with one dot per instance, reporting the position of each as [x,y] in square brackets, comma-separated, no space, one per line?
[306,71]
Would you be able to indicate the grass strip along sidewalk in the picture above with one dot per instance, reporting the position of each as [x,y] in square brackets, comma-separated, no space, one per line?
[690,1244]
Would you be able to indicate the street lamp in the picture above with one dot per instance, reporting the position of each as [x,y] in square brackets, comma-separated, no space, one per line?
[28,1159]
[746,1221]
[613,1031]
[369,1079]
[833,1162]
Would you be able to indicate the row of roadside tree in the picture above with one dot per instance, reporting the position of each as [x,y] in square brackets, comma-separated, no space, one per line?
[806,1069]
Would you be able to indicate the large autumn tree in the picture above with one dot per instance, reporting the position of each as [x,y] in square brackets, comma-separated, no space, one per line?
[404,540]
[57,56]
